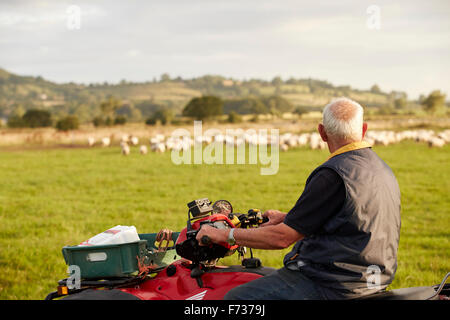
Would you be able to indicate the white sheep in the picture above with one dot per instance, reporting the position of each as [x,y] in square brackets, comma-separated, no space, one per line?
[436,142]
[445,135]
[125,138]
[106,141]
[158,147]
[292,141]
[160,137]
[91,141]
[134,140]
[314,141]
[303,139]
[143,149]
[125,148]
[284,147]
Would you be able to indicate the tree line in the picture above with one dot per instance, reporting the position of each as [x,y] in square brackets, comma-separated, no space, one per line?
[115,112]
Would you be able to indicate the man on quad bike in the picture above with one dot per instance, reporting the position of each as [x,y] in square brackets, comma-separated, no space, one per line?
[346,223]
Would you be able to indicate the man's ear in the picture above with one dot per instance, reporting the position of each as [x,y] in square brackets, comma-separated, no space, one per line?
[322,132]
[364,129]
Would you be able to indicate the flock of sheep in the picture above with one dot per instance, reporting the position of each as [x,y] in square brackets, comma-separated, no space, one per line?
[161,143]
[314,141]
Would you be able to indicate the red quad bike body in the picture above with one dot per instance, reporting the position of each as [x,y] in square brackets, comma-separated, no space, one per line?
[181,286]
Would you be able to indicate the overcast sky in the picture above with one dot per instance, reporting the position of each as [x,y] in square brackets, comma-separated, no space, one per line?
[138,40]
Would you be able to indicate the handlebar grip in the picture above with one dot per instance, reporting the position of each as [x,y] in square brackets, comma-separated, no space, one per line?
[206,240]
[265,219]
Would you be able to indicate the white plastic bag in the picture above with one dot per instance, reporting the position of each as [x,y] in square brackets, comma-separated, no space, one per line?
[116,235]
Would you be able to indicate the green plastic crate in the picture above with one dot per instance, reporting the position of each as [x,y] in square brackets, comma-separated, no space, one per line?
[118,260]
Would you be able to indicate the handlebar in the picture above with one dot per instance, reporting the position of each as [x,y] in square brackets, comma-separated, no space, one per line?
[251,219]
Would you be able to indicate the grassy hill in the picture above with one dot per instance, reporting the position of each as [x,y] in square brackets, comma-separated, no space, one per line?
[21,93]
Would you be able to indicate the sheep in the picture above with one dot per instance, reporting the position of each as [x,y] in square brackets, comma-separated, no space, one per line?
[445,135]
[229,140]
[284,147]
[91,141]
[125,148]
[158,147]
[143,149]
[208,139]
[134,140]
[219,138]
[198,140]
[303,139]
[239,141]
[292,141]
[106,141]
[436,142]
[322,145]
[170,143]
[251,139]
[314,141]
[125,138]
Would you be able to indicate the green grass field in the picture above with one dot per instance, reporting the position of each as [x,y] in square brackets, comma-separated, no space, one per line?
[50,198]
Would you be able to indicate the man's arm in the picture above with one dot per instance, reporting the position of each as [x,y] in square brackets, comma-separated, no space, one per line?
[278,236]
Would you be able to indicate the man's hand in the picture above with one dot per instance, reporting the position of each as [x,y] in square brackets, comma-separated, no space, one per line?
[216,235]
[274,216]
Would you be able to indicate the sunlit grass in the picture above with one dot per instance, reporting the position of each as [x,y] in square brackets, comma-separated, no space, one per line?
[51,198]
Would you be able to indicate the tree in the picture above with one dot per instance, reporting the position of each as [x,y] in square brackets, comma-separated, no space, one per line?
[233,117]
[203,107]
[129,111]
[147,107]
[277,81]
[98,122]
[110,106]
[35,118]
[120,120]
[245,106]
[386,110]
[277,104]
[164,116]
[434,102]
[15,121]
[165,77]
[68,123]
[400,103]
[375,89]
[300,110]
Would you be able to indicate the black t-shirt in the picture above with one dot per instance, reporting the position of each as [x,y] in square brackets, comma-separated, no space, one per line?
[323,197]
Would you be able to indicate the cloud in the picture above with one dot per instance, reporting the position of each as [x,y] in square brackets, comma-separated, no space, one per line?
[242,39]
[132,53]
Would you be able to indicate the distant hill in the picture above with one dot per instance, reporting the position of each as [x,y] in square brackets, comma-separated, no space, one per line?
[20,93]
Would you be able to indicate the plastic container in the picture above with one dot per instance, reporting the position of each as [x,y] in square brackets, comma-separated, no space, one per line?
[116,235]
[118,260]
[106,261]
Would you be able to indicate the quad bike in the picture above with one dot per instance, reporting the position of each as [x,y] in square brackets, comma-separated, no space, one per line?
[193,273]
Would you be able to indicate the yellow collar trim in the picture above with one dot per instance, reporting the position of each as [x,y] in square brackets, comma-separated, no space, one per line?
[350,147]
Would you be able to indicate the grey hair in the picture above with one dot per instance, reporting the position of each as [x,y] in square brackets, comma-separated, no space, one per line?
[343,119]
